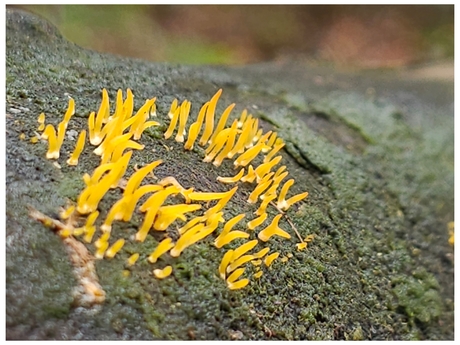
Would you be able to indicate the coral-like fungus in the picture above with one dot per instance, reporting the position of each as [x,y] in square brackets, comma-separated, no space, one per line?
[117,136]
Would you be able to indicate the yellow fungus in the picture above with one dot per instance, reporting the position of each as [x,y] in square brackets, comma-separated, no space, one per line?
[22,136]
[195,128]
[263,205]
[173,108]
[257,221]
[205,196]
[101,240]
[203,233]
[132,259]
[309,238]
[98,173]
[239,146]
[233,179]
[258,274]
[184,241]
[136,179]
[273,229]
[275,185]
[78,231]
[165,272]
[60,134]
[89,228]
[240,261]
[269,259]
[291,201]
[231,223]
[41,127]
[101,250]
[279,171]
[138,121]
[281,202]
[270,142]
[301,246]
[256,262]
[260,188]
[232,235]
[168,214]
[246,157]
[261,253]
[235,275]
[222,121]
[264,168]
[53,148]
[217,145]
[65,214]
[249,139]
[191,223]
[209,119]
[228,145]
[250,176]
[69,113]
[238,284]
[242,118]
[114,249]
[224,263]
[258,135]
[101,117]
[184,111]
[94,138]
[66,232]
[244,248]
[73,160]
[116,213]
[130,201]
[172,124]
[157,199]
[273,152]
[162,248]
[221,203]
[41,118]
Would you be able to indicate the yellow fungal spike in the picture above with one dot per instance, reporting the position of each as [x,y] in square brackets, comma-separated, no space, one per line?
[41,118]
[53,148]
[67,213]
[228,145]
[34,140]
[239,284]
[94,136]
[249,139]
[293,200]
[246,157]
[265,168]
[132,259]
[274,187]
[162,248]
[279,171]
[184,111]
[185,240]
[98,173]
[242,118]
[115,248]
[101,240]
[258,274]
[101,250]
[258,135]
[128,105]
[70,111]
[112,129]
[172,124]
[61,134]
[173,108]
[41,127]
[129,144]
[233,179]
[301,246]
[47,131]
[257,221]
[224,263]
[195,128]
[190,224]
[263,185]
[203,233]
[168,214]
[257,262]
[222,121]
[73,160]
[209,120]
[261,253]
[273,152]
[66,232]
[243,249]
[239,146]
[116,213]
[146,225]
[273,229]
[263,206]
[22,136]
[235,275]
[101,117]
[132,199]
[263,138]
[216,145]
[232,235]
[281,202]
[137,121]
[269,259]
[157,199]
[136,179]
[250,176]
[231,223]
[165,272]
[89,233]
[222,202]
[238,262]
[270,142]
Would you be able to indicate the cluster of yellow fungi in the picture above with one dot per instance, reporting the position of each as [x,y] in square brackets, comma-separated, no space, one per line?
[116,137]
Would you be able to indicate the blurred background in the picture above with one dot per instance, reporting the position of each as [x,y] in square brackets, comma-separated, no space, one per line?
[344,36]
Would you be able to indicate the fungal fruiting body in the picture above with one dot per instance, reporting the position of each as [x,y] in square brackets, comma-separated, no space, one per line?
[166,205]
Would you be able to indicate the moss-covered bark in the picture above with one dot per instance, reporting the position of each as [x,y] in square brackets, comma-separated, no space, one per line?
[379,171]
